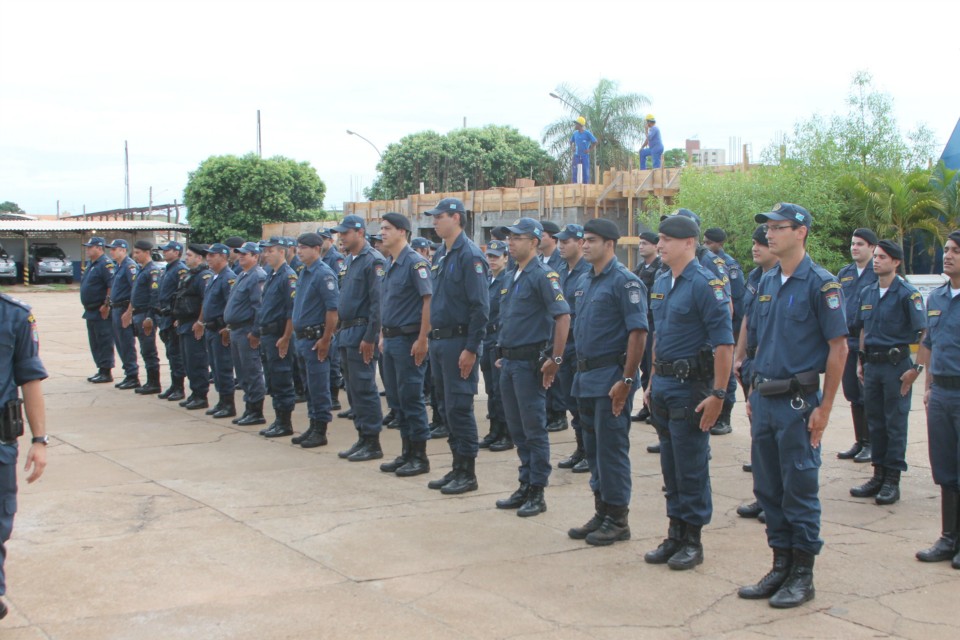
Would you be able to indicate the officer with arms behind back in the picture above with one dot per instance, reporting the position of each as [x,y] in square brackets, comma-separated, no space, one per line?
[175,271]
[94,291]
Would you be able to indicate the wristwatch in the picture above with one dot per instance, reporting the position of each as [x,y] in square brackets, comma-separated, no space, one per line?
[40,440]
[558,359]
[719,393]
[628,381]
[918,368]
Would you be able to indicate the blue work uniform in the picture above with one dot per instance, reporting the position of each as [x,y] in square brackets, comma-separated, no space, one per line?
[96,281]
[488,355]
[943,407]
[188,302]
[215,298]
[893,321]
[654,148]
[169,282]
[692,316]
[528,313]
[459,313]
[317,293]
[240,315]
[123,337]
[144,299]
[795,323]
[19,364]
[610,305]
[276,307]
[854,283]
[405,285]
[569,284]
[582,141]
[334,259]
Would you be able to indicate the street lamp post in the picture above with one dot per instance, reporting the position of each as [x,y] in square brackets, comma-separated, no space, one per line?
[354,133]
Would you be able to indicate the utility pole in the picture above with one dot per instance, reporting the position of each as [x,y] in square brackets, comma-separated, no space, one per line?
[126,173]
[259,148]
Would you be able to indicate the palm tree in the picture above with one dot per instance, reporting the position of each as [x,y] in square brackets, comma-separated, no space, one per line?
[946,183]
[615,119]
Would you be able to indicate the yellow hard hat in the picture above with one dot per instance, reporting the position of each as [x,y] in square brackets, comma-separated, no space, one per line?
[581,121]
[650,118]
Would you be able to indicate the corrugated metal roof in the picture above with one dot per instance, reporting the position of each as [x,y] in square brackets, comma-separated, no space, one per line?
[77,226]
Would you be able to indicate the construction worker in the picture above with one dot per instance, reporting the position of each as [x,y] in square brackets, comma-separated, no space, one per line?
[583,142]
[652,147]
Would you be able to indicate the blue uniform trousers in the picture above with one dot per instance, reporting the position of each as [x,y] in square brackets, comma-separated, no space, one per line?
[316,379]
[524,404]
[656,153]
[887,412]
[8,502]
[221,363]
[943,429]
[684,448]
[248,366]
[786,471]
[606,441]
[125,342]
[171,343]
[279,373]
[100,336]
[455,395]
[336,375]
[491,382]
[852,387]
[580,161]
[403,381]
[564,384]
[148,343]
[196,363]
[361,379]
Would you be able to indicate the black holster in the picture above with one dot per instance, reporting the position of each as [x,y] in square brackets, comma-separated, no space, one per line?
[11,422]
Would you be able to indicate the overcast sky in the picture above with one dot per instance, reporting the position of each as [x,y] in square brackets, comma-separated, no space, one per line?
[182,81]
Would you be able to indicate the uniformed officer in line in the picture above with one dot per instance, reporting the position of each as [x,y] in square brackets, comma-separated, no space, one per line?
[234,242]
[692,361]
[333,259]
[215,334]
[550,255]
[438,429]
[498,439]
[891,318]
[299,374]
[169,281]
[459,313]
[647,270]
[144,303]
[273,333]
[359,335]
[243,305]
[314,322]
[94,292]
[123,338]
[573,268]
[610,334]
[941,349]
[801,333]
[406,291]
[534,323]
[854,278]
[187,306]
[20,366]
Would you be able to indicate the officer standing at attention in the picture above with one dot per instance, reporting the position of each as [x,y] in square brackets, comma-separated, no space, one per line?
[583,143]
[610,333]
[144,303]
[333,259]
[648,270]
[854,278]
[891,318]
[176,270]
[124,273]
[94,292]
[299,374]
[20,366]
[438,428]
[459,312]
[243,305]
[359,336]
[801,332]
[187,306]
[941,348]
[692,361]
[314,322]
[215,333]
[234,242]
[499,437]
[405,321]
[549,254]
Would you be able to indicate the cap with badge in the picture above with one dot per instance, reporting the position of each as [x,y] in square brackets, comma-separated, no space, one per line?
[172,245]
[249,247]
[143,245]
[602,227]
[310,240]
[574,231]
[274,241]
[218,248]
[420,243]
[118,243]
[95,241]
[323,232]
[551,227]
[528,227]
[496,248]
[786,212]
[715,234]
[891,248]
[447,205]
[686,213]
[680,227]
[397,220]
[760,235]
[350,223]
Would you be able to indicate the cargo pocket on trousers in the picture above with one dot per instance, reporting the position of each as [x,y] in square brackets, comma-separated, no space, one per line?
[809,459]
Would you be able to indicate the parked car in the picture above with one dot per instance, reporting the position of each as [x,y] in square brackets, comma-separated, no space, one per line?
[8,268]
[49,262]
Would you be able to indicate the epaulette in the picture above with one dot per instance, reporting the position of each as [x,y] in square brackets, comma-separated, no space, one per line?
[15,301]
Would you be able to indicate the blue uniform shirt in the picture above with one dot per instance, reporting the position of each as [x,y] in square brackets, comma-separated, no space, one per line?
[245,296]
[460,296]
[497,288]
[852,286]
[296,264]
[554,261]
[334,260]
[737,288]
[169,282]
[583,140]
[146,289]
[317,293]
[692,315]
[403,288]
[895,319]
[750,305]
[360,296]
[796,320]
[943,332]
[194,284]
[653,137]
[569,283]
[216,295]
[528,308]
[123,277]
[20,346]
[97,279]
[276,304]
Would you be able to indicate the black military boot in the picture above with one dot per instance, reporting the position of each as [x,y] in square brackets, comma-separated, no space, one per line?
[189,398]
[504,442]
[346,413]
[198,402]
[369,451]
[690,553]
[949,543]
[281,426]
[872,486]
[153,384]
[575,457]
[246,412]
[581,467]
[303,436]
[254,415]
[212,410]
[613,529]
[352,449]
[335,398]
[227,407]
[535,503]
[491,436]
[654,448]
[440,429]
[128,382]
[440,483]
[173,387]
[557,421]
[399,461]
[390,417]
[102,375]
[890,491]
[670,545]
[642,415]
[516,499]
[465,480]
[770,583]
[859,421]
[865,455]
[176,390]
[591,525]
[751,510]
[316,435]
[417,461]
[798,587]
[722,426]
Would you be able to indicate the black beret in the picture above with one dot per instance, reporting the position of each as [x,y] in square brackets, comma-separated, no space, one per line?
[650,237]
[234,242]
[866,234]
[310,240]
[143,245]
[955,236]
[760,235]
[892,249]
[199,249]
[397,220]
[603,228]
[679,226]
[716,234]
[500,233]
[551,227]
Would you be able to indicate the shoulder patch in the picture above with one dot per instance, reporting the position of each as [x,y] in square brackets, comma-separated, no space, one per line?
[379,270]
[632,284]
[715,282]
[109,266]
[154,285]
[830,285]
[207,276]
[833,299]
[559,297]
[633,294]
[478,266]
[916,296]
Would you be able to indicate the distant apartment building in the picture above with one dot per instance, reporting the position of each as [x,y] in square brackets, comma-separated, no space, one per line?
[704,157]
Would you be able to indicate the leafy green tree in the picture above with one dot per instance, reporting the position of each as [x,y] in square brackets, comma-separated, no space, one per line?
[231,195]
[10,207]
[673,158]
[946,184]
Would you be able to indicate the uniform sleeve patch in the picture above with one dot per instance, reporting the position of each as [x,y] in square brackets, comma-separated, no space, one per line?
[154,286]
[833,299]
[330,285]
[559,297]
[422,272]
[918,302]
[718,292]
[503,292]
[207,276]
[379,271]
[34,333]
[830,285]
[634,296]
[231,281]
[478,266]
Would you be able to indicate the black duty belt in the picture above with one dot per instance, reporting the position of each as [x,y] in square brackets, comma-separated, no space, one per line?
[114,304]
[272,329]
[799,385]
[492,328]
[407,330]
[313,332]
[947,382]
[215,325]
[589,364]
[143,310]
[236,326]
[683,369]
[92,307]
[356,322]
[751,352]
[892,355]
[523,352]
[445,333]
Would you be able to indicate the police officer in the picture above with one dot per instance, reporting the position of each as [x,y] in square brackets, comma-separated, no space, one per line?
[549,254]
[169,281]
[20,366]
[299,373]
[692,361]
[610,334]
[234,242]
[498,439]
[333,259]
[359,335]
[801,332]
[405,320]
[215,334]
[144,303]
[94,291]
[314,322]
[891,318]
[459,312]
[647,270]
[941,348]
[187,306]
[123,337]
[240,315]
[854,278]
[438,428]
[273,333]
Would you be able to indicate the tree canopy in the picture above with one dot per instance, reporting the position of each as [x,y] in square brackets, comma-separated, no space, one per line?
[10,207]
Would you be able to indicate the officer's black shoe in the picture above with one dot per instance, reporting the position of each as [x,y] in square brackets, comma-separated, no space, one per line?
[865,455]
[346,453]
[871,487]
[613,529]
[747,468]
[303,436]
[369,451]
[3,610]
[399,461]
[642,415]
[464,480]
[317,437]
[254,415]
[300,398]
[198,402]
[175,385]
[762,517]
[212,410]
[516,499]
[440,483]
[690,553]
[949,543]
[669,546]
[535,503]
[591,525]
[227,407]
[751,510]
[850,453]
[152,385]
[335,398]
[770,583]
[281,427]
[394,424]
[720,428]
[440,431]
[504,443]
[581,467]
[129,382]
[574,458]
[390,417]
[189,398]
[417,461]
[798,587]
[557,421]
[890,491]
[246,412]
[491,437]
[653,448]
[178,394]
[346,413]
[104,375]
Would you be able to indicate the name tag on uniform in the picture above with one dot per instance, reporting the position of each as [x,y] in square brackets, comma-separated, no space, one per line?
[656,296]
[764,299]
[933,312]
[846,278]
[866,307]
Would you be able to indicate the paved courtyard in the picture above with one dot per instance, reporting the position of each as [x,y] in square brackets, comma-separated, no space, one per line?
[155,522]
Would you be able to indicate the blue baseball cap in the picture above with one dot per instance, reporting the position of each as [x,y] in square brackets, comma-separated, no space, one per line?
[420,243]
[249,247]
[786,212]
[172,245]
[95,241]
[496,248]
[350,223]
[218,247]
[447,205]
[119,243]
[686,213]
[570,231]
[323,232]
[527,226]
[274,241]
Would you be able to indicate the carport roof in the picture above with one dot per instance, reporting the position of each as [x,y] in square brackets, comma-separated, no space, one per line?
[79,226]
